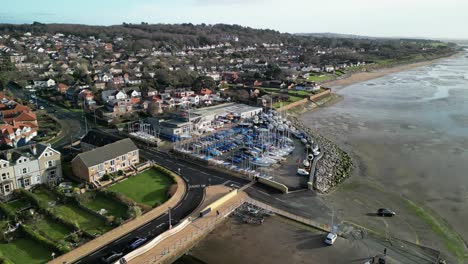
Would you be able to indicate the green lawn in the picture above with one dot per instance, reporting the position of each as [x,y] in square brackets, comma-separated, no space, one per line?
[148,188]
[18,204]
[319,78]
[45,195]
[101,201]
[50,228]
[299,93]
[25,250]
[82,218]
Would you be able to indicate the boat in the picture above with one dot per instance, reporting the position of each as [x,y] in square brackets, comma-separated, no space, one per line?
[306,163]
[302,172]
[304,140]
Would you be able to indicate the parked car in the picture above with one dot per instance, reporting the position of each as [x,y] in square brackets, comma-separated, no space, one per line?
[385,212]
[330,238]
[137,242]
[112,257]
[41,107]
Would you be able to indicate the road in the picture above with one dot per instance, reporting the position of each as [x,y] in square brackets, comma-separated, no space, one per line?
[193,175]
[72,123]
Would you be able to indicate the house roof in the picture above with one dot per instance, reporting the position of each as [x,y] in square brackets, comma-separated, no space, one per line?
[98,138]
[107,152]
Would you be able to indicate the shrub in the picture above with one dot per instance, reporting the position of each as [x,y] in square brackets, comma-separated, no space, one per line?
[106,177]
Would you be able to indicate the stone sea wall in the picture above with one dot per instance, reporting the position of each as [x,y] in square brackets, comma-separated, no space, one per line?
[334,166]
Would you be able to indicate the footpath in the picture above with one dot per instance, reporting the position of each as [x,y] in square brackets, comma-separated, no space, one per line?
[123,229]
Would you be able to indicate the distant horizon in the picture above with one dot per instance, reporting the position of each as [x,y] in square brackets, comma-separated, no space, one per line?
[294,33]
[383,19]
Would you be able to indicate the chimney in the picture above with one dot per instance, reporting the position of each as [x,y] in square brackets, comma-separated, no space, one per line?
[8,156]
[33,149]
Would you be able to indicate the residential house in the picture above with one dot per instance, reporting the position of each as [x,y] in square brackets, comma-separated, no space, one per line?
[27,166]
[90,166]
[95,138]
[62,88]
[108,95]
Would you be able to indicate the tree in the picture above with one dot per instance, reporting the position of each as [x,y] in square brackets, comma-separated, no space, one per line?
[203,82]
[272,72]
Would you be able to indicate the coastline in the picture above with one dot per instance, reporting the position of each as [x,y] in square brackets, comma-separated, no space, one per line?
[358,77]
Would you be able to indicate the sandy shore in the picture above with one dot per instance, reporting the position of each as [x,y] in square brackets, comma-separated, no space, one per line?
[373,74]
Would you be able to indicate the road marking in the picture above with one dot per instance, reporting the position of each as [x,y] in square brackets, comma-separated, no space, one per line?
[160,225]
[265,193]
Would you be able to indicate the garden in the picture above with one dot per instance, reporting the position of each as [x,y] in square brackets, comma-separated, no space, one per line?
[149,188]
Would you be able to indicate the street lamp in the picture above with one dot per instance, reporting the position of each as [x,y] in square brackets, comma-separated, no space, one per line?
[178,170]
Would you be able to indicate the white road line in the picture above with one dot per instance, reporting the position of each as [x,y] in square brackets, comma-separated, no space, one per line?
[265,193]
[161,224]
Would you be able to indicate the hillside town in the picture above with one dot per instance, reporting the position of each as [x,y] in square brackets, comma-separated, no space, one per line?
[105,135]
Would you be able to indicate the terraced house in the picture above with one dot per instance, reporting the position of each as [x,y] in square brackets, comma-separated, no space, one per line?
[90,166]
[27,166]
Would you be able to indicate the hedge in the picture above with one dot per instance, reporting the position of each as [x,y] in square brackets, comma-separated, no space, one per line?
[41,239]
[7,210]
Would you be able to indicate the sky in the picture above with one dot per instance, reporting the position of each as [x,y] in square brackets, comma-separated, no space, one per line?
[380,18]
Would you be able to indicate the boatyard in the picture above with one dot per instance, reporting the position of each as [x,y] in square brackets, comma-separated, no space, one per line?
[265,145]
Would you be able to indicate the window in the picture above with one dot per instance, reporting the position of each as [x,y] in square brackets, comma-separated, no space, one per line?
[50,163]
[4,176]
[46,154]
[124,157]
[112,162]
[100,167]
[27,182]
[19,161]
[25,170]
[135,152]
[38,179]
[124,165]
[7,188]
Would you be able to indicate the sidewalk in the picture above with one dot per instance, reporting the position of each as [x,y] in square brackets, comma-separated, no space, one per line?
[172,247]
[122,230]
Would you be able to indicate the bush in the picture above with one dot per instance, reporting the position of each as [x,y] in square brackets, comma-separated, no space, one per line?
[106,177]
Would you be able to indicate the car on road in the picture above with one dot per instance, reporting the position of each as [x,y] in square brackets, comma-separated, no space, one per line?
[137,242]
[330,238]
[41,107]
[112,257]
[385,212]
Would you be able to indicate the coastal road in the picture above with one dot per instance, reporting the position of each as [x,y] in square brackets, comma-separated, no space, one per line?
[196,178]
